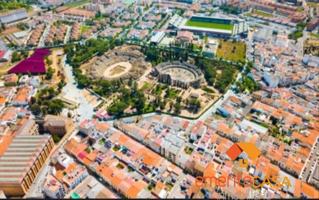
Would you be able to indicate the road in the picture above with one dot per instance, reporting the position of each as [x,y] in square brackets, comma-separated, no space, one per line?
[310,163]
[44,36]
[300,43]
[67,35]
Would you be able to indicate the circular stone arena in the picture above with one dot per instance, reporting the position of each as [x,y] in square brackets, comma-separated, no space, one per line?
[121,63]
[179,74]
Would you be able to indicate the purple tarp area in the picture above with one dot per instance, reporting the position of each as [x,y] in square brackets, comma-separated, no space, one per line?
[34,64]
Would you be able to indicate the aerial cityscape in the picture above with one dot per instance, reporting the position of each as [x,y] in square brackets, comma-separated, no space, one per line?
[113,99]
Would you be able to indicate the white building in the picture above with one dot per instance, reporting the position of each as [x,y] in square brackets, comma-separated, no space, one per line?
[53,188]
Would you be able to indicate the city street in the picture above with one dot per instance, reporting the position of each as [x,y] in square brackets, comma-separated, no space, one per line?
[44,35]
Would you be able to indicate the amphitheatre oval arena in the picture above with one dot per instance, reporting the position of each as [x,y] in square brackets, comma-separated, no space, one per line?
[117,70]
[121,63]
[180,74]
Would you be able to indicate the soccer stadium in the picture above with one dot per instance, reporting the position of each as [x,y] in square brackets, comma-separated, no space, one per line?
[214,26]
[179,74]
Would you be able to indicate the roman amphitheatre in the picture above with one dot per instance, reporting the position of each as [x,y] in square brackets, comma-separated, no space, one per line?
[122,63]
[179,74]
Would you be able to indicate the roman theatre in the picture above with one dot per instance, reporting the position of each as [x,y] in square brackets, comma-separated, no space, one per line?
[121,63]
[179,74]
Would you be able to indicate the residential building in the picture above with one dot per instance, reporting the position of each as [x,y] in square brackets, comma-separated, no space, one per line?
[75,14]
[57,125]
[5,55]
[52,188]
[23,96]
[21,162]
[74,175]
[311,61]
[26,126]
[91,188]
[13,17]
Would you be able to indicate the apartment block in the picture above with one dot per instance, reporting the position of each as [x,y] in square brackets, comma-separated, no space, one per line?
[22,161]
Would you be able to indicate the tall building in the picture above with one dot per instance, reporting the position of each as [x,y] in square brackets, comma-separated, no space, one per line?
[57,125]
[21,161]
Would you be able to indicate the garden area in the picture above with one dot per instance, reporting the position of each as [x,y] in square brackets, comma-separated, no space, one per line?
[247,84]
[12,5]
[298,33]
[45,102]
[219,74]
[126,98]
[261,13]
[232,51]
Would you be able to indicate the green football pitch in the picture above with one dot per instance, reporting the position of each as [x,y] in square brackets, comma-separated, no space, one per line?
[211,25]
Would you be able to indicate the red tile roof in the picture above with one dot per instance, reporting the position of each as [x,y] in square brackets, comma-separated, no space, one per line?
[234,151]
[2,53]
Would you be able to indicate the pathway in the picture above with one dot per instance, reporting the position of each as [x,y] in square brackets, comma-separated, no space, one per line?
[70,91]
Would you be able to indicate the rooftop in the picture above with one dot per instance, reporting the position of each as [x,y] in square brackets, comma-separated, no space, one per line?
[19,157]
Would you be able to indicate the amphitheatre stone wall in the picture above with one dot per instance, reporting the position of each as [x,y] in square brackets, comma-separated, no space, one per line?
[122,62]
[180,74]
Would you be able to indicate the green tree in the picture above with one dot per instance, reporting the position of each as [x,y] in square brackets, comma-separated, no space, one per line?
[35,109]
[247,84]
[49,73]
[55,106]
[48,61]
[56,138]
[117,108]
[177,108]
[15,57]
[194,105]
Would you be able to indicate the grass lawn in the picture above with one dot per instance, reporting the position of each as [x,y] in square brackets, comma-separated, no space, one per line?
[188,150]
[209,25]
[12,5]
[171,93]
[262,13]
[233,51]
[99,18]
[312,4]
[207,89]
[84,28]
[158,89]
[314,35]
[77,3]
[146,86]
[148,108]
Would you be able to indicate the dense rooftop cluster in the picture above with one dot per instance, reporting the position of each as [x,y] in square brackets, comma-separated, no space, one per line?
[159,99]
